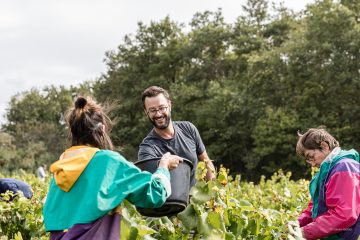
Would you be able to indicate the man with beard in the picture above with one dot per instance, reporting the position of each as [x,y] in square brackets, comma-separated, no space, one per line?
[177,137]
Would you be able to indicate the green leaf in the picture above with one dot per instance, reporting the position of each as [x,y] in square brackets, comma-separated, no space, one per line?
[18,236]
[203,226]
[216,221]
[144,230]
[188,217]
[245,205]
[229,236]
[200,193]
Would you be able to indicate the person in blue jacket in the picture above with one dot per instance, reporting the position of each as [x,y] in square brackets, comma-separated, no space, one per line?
[90,180]
[14,186]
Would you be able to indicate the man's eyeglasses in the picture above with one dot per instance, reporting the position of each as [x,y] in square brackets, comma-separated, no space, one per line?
[161,109]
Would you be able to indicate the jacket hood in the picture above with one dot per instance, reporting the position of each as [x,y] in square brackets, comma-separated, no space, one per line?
[352,154]
[70,165]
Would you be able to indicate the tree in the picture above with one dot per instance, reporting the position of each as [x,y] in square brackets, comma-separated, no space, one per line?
[35,126]
[152,57]
[247,86]
[324,65]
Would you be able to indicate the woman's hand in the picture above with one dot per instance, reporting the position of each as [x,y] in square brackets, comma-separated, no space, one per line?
[295,232]
[170,161]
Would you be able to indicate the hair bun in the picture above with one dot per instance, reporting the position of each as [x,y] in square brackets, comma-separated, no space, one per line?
[80,102]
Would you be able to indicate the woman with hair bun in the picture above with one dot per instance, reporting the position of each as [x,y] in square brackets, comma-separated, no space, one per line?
[90,180]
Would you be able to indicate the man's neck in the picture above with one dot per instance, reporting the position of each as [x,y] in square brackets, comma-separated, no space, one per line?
[166,133]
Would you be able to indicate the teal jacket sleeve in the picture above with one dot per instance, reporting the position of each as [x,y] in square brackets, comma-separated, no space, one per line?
[141,188]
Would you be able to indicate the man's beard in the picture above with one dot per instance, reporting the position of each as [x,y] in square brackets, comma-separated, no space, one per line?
[162,126]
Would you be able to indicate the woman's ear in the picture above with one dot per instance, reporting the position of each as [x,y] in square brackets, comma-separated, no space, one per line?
[324,147]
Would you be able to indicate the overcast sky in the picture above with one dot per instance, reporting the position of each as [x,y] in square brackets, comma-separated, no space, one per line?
[63,42]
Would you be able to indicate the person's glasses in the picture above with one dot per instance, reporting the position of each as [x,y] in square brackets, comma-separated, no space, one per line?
[310,157]
[153,111]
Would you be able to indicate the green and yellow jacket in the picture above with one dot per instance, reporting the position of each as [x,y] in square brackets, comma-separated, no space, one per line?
[88,183]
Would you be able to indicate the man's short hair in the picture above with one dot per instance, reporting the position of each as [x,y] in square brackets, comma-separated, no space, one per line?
[153,91]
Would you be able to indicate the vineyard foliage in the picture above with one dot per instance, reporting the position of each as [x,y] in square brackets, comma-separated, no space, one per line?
[226,208]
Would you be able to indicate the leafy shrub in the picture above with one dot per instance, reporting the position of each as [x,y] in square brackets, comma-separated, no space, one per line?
[225,208]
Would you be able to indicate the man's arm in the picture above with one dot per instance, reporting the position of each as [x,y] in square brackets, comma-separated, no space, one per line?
[146,151]
[210,175]
[203,156]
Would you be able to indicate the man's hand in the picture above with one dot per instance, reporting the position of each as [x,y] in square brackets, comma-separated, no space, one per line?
[210,175]
[295,231]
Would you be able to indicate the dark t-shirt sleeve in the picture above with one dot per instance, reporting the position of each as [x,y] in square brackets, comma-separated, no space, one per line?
[146,151]
[200,147]
[187,138]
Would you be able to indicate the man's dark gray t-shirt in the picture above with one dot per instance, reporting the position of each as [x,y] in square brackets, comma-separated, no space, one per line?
[186,143]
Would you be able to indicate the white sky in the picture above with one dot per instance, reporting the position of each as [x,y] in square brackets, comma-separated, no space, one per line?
[49,42]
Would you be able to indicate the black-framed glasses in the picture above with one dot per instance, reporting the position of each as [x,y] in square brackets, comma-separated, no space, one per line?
[161,109]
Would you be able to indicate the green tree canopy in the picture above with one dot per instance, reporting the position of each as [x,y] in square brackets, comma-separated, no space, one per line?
[248,86]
